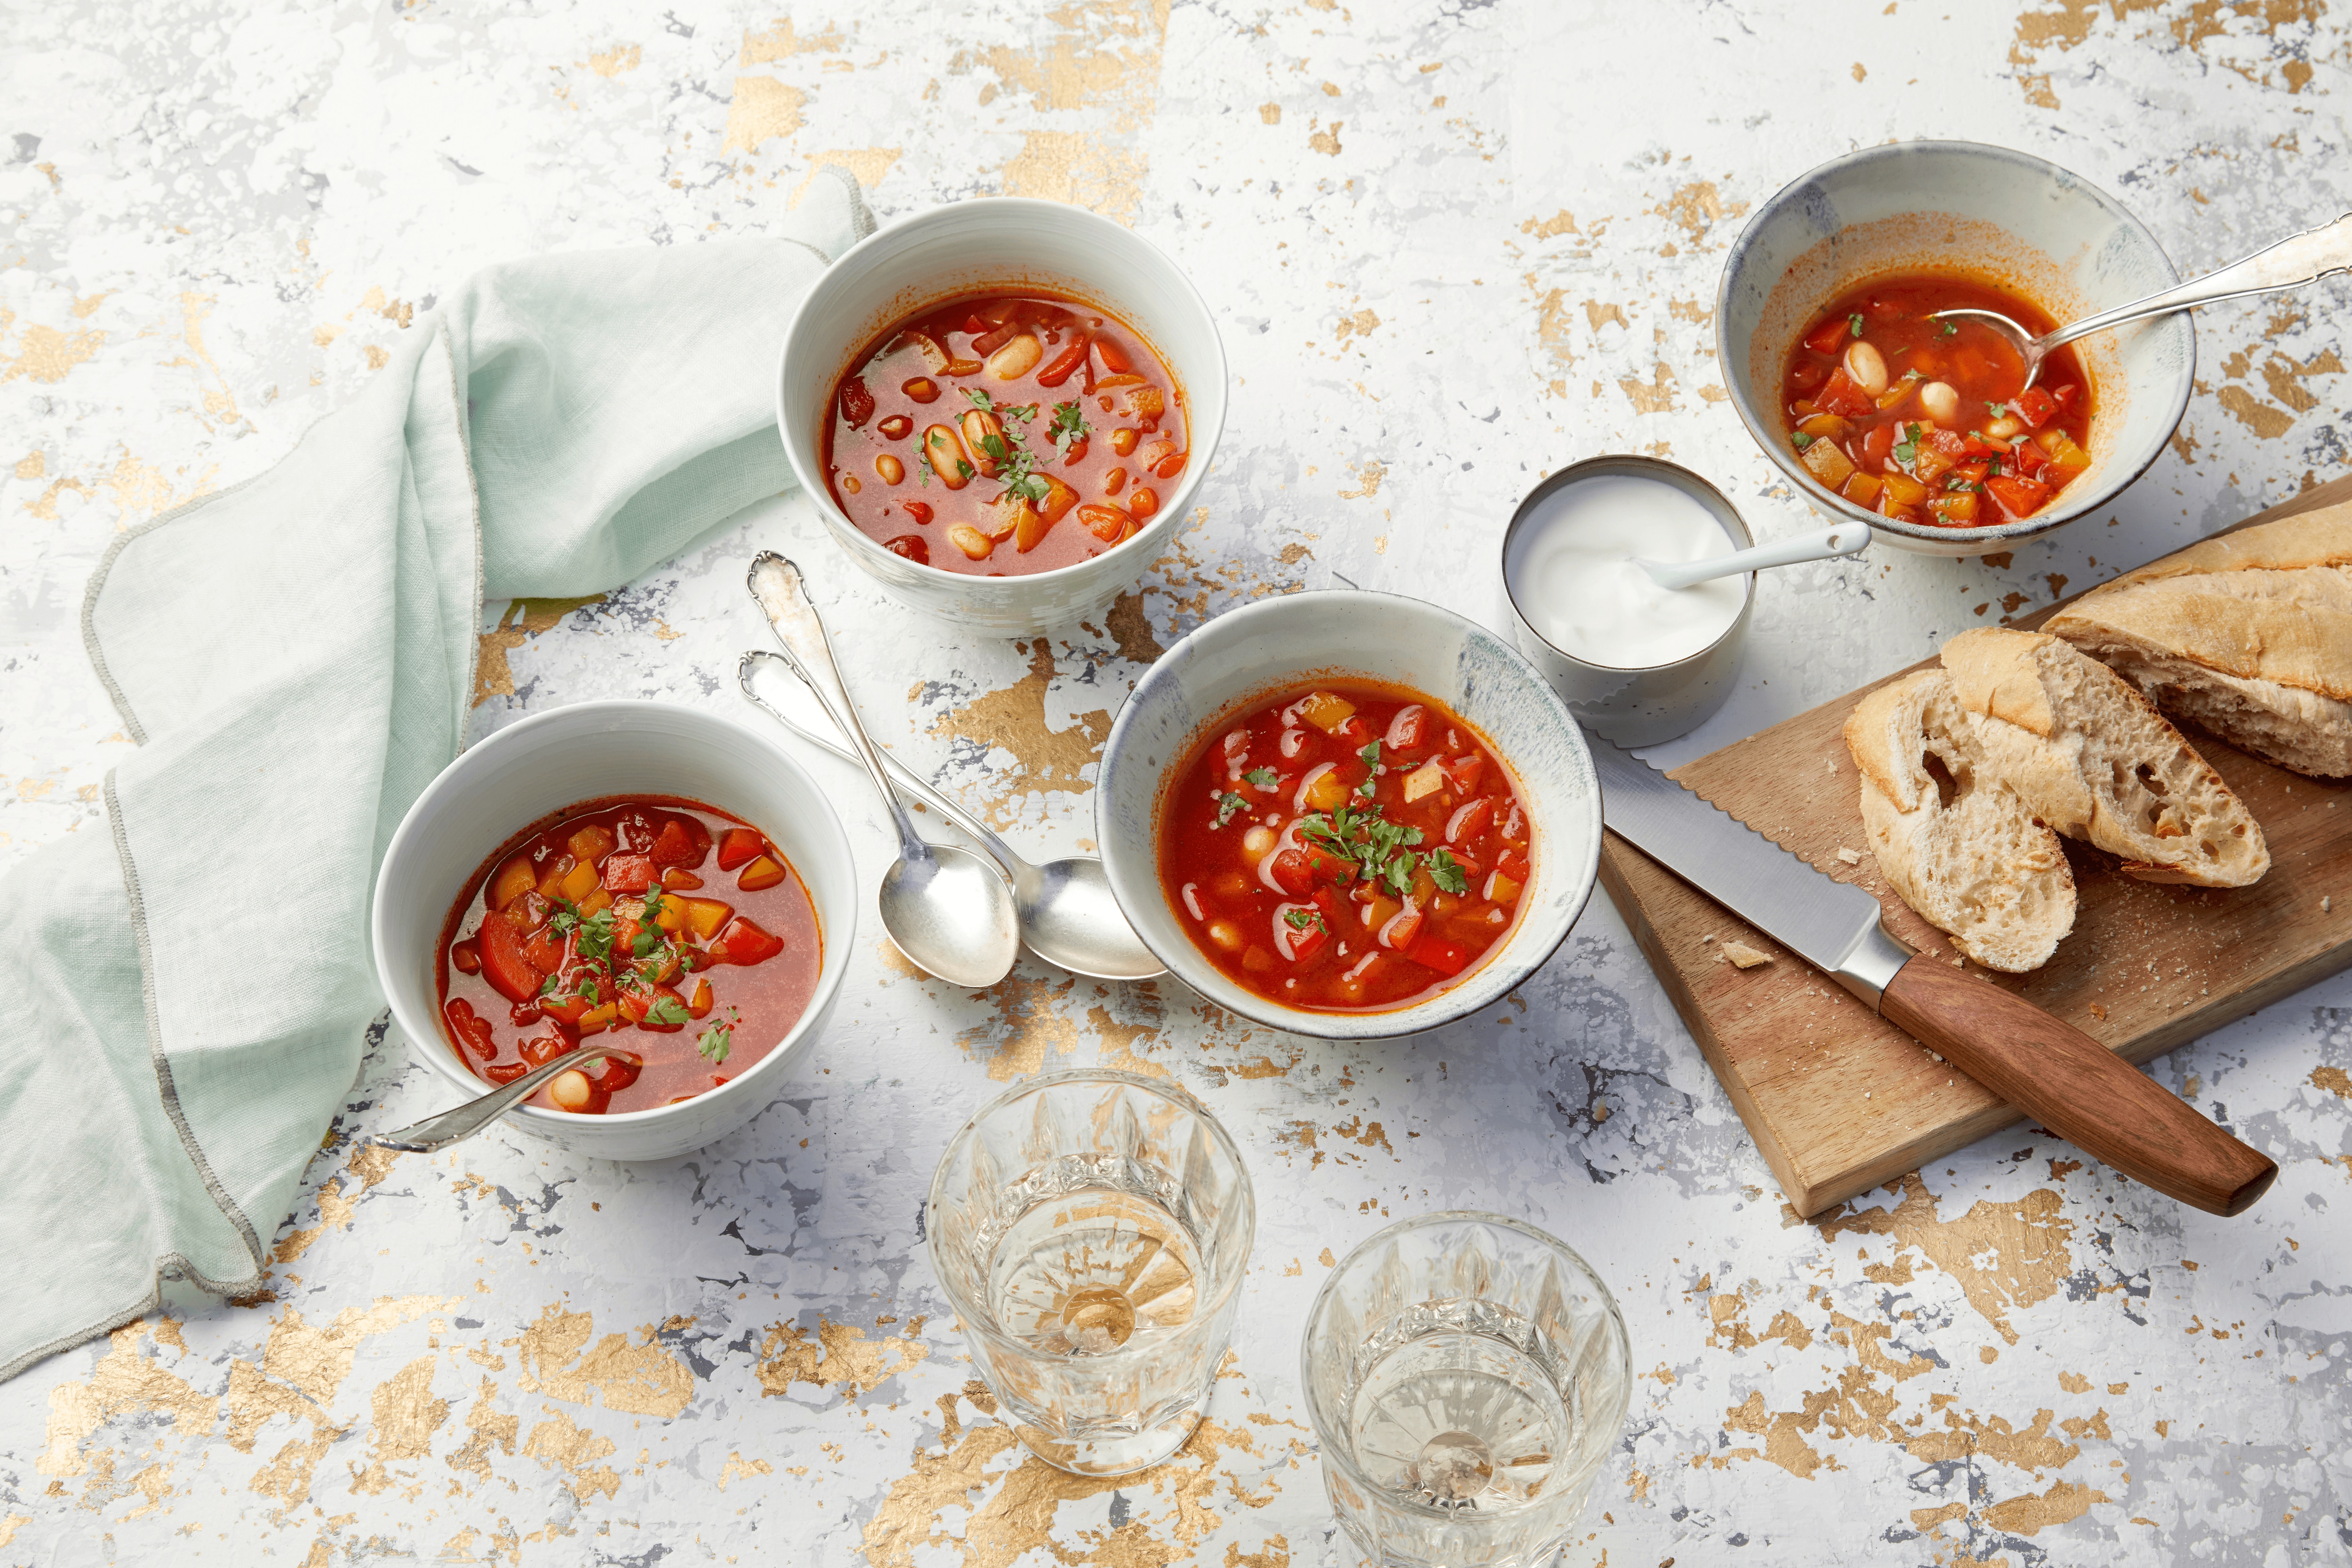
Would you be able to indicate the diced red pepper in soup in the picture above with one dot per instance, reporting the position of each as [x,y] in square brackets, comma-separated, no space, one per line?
[505,964]
[738,845]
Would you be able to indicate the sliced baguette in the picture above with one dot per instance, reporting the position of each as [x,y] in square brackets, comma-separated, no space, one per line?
[2248,635]
[1976,865]
[2090,757]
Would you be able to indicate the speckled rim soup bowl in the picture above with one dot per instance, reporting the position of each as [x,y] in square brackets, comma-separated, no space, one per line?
[1249,654]
[529,770]
[2023,222]
[989,243]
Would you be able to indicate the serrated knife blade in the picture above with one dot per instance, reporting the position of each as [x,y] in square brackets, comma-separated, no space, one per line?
[1830,925]
[2045,1067]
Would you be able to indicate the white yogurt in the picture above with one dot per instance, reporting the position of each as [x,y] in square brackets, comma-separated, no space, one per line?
[1572,575]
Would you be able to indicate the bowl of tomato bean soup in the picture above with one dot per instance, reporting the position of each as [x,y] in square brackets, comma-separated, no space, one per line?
[1347,815]
[1828,328]
[632,873]
[1002,408]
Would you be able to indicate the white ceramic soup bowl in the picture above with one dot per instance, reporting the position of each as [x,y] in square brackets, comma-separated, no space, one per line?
[1254,653]
[999,242]
[530,770]
[2009,217]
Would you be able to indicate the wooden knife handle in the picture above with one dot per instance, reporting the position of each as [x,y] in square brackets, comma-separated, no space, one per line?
[2076,1087]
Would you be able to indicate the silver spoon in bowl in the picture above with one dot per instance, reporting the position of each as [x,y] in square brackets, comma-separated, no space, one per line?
[2298,260]
[454,1126]
[1069,917]
[1840,539]
[946,908]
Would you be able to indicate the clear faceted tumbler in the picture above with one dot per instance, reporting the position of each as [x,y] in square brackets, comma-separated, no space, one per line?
[1467,1377]
[1090,1228]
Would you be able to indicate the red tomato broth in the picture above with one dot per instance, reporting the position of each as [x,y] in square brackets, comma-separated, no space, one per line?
[746,929]
[1080,440]
[1929,422]
[1284,909]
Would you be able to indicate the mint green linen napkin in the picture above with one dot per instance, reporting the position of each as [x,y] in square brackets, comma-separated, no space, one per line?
[295,657]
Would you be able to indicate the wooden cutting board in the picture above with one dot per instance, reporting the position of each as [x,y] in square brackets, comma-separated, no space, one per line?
[1841,1101]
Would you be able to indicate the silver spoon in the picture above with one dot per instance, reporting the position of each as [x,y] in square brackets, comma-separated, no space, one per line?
[946,908]
[454,1126]
[1069,917]
[2298,260]
[1845,539]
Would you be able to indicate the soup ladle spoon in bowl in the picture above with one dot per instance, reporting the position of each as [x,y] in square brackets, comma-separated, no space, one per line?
[1069,915]
[946,908]
[455,1126]
[2296,260]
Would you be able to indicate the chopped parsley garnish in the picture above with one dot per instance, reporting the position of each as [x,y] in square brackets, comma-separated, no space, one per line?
[1908,449]
[1381,848]
[1447,873]
[964,467]
[668,1010]
[713,1044]
[1803,440]
[1304,919]
[553,983]
[1854,322]
[1069,426]
[1948,329]
[1228,803]
[1264,778]
[1370,753]
[922,468]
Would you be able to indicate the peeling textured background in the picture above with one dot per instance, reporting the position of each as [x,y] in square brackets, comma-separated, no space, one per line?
[1452,247]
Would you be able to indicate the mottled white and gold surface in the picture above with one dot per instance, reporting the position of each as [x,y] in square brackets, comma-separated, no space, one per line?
[1452,247]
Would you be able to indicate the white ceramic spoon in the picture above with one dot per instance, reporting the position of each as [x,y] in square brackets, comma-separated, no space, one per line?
[1840,539]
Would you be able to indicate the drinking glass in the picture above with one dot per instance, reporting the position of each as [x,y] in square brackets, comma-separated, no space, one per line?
[1090,1228]
[1467,1377]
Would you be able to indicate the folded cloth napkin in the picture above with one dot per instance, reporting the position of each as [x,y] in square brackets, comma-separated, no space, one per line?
[295,657]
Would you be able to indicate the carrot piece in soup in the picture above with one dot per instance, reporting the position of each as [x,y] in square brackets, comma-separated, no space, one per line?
[760,874]
[738,845]
[515,879]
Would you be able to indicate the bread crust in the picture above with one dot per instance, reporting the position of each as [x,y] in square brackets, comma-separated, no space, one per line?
[2248,634]
[2091,757]
[1976,866]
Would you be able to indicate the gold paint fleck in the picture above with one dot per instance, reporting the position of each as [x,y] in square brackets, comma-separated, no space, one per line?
[869,165]
[2062,1504]
[2023,1244]
[31,465]
[123,1382]
[840,1355]
[1326,141]
[1361,323]
[1657,397]
[621,58]
[1596,312]
[523,619]
[1270,113]
[1325,1259]
[738,1467]
[779,40]
[1080,168]
[2266,422]
[1858,72]
[2334,1080]
[1698,207]
[1560,223]
[1368,477]
[46,355]
[1130,628]
[641,1380]
[564,1444]
[762,108]
[1015,720]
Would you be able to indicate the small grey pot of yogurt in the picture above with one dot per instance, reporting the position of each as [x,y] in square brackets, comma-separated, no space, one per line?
[1637,664]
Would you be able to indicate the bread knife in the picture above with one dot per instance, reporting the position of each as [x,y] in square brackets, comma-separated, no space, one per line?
[2047,1069]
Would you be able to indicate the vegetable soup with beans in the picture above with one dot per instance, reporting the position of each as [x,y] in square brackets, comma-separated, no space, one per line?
[1344,848]
[1930,421]
[664,919]
[1005,434]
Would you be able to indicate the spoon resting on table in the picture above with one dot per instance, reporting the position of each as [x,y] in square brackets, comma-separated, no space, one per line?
[1841,539]
[2298,260]
[946,908]
[1069,917]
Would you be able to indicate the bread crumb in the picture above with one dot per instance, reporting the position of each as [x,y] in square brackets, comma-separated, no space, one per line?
[1830,763]
[2099,1011]
[1958,962]
[1745,956]
[1851,857]
[2326,904]
[1708,937]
